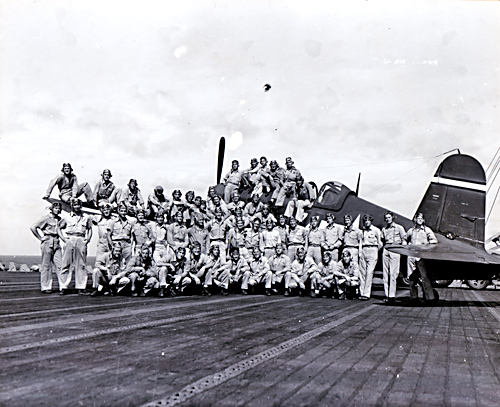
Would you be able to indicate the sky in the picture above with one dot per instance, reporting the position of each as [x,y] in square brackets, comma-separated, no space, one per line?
[147,88]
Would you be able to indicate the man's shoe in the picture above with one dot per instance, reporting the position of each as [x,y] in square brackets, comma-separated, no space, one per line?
[362,298]
[342,296]
[268,292]
[173,292]
[161,292]
[64,291]
[205,292]
[134,293]
[142,294]
[287,293]
[46,291]
[244,292]
[313,294]
[94,293]
[82,292]
[225,291]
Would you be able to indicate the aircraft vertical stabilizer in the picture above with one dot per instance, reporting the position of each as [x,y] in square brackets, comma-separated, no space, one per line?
[454,204]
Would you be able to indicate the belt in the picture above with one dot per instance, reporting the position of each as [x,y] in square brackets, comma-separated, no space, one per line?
[369,245]
[233,183]
[76,234]
[313,245]
[295,244]
[122,240]
[353,247]
[217,240]
[51,235]
[269,248]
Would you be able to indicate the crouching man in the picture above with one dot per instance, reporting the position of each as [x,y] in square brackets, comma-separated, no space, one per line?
[258,273]
[230,274]
[300,274]
[323,279]
[280,265]
[136,274]
[110,265]
[347,276]
[142,272]
[203,268]
[173,273]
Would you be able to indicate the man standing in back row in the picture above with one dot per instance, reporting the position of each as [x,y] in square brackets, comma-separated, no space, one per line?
[371,243]
[420,234]
[79,232]
[50,226]
[392,233]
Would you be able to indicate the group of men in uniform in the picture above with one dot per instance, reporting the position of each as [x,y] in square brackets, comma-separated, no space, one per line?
[220,245]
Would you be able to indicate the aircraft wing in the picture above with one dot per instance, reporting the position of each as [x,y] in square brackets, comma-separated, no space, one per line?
[67,207]
[447,250]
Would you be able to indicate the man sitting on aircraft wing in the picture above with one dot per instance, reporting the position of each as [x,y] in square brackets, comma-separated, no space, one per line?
[304,198]
[69,187]
[104,188]
[420,234]
[290,177]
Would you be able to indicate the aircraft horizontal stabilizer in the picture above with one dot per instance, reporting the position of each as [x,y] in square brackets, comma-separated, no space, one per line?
[447,251]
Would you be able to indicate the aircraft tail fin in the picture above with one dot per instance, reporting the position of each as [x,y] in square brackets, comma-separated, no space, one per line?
[454,204]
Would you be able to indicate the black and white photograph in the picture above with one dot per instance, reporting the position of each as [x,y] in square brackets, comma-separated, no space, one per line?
[249,203]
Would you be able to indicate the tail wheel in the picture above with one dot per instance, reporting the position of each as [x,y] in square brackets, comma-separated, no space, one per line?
[478,284]
[442,283]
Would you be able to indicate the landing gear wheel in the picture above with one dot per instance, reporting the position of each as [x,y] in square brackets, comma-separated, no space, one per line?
[403,282]
[442,283]
[478,284]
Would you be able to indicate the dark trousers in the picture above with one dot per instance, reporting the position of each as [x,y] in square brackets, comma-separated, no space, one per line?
[417,266]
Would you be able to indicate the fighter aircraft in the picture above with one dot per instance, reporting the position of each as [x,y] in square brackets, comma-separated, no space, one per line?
[453,206]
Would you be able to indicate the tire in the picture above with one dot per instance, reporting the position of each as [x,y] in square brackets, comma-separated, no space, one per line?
[403,282]
[478,284]
[442,283]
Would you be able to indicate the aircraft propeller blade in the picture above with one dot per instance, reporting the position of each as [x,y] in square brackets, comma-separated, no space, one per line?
[220,158]
[357,185]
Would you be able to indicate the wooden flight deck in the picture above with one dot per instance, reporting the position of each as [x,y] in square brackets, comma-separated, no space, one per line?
[246,350]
